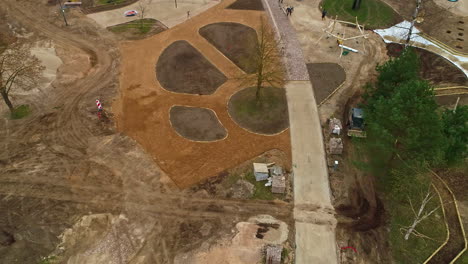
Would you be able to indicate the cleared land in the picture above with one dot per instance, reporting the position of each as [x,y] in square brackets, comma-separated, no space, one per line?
[372,13]
[234,40]
[325,78]
[199,124]
[269,115]
[183,69]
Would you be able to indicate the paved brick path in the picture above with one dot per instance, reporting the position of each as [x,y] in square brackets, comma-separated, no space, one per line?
[293,56]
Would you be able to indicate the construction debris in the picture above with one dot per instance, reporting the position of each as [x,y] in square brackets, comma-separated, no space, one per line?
[273,254]
[335,146]
[278,184]
[335,126]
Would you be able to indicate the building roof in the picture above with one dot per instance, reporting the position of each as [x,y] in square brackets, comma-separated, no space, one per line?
[260,167]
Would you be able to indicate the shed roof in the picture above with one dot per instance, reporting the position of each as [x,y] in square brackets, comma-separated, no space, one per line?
[260,167]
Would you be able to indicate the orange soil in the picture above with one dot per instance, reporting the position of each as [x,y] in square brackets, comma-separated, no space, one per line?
[142,111]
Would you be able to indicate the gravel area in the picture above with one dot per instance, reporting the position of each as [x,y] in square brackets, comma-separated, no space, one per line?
[292,52]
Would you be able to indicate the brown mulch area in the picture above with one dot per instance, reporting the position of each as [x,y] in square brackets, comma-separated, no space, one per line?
[183,69]
[235,41]
[325,78]
[451,100]
[247,5]
[269,116]
[434,68]
[199,124]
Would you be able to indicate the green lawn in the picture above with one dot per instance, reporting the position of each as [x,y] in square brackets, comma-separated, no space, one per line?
[20,112]
[261,192]
[416,249]
[109,2]
[137,26]
[372,13]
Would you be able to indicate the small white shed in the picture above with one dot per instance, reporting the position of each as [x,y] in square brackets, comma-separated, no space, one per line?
[260,171]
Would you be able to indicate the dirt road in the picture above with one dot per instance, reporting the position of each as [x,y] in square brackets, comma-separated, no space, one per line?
[62,163]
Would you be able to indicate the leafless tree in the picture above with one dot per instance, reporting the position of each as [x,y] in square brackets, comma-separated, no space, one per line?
[143,6]
[18,69]
[419,216]
[266,61]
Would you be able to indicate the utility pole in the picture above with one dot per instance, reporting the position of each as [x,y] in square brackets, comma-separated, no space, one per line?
[415,15]
[63,12]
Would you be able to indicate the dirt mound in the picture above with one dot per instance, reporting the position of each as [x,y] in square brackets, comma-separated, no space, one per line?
[195,123]
[235,41]
[183,69]
[325,78]
[246,5]
[267,116]
[434,68]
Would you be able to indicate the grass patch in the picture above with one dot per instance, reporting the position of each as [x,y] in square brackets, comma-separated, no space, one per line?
[139,26]
[372,13]
[20,112]
[416,249]
[261,192]
[267,116]
[109,2]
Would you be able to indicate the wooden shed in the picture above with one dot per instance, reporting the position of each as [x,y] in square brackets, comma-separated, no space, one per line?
[261,171]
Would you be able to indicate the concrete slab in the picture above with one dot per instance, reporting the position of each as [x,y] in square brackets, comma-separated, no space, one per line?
[315,244]
[164,11]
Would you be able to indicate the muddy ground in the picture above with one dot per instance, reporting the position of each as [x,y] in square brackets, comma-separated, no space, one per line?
[183,69]
[235,41]
[199,124]
[69,178]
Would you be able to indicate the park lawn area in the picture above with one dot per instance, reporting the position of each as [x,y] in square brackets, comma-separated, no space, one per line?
[416,249]
[136,26]
[373,13]
[20,112]
[109,2]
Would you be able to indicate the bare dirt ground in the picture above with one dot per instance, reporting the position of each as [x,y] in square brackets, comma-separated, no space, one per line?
[438,22]
[183,69]
[143,106]
[451,100]
[67,177]
[235,41]
[247,5]
[325,78]
[199,124]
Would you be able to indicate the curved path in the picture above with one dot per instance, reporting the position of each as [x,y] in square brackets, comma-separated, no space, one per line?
[313,212]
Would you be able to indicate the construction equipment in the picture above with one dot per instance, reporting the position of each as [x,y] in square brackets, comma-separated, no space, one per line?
[356,123]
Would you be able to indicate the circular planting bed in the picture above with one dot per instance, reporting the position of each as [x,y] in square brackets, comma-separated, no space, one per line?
[434,68]
[194,123]
[183,69]
[236,41]
[325,78]
[269,115]
[246,5]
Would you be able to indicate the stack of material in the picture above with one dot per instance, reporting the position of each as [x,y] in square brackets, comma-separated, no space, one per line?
[260,171]
[278,184]
[273,254]
[335,146]
[335,126]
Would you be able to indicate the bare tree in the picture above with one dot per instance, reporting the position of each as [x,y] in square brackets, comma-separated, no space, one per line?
[143,7]
[18,69]
[422,214]
[266,62]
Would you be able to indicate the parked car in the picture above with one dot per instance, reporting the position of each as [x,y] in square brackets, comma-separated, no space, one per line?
[130,13]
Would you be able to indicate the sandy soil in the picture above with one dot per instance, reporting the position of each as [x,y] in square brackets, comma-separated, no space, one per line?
[199,124]
[164,11]
[186,162]
[64,169]
[46,53]
[459,8]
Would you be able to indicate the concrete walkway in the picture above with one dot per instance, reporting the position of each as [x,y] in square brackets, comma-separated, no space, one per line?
[313,212]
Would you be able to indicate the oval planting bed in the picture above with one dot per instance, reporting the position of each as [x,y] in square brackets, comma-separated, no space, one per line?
[195,123]
[236,41]
[269,115]
[183,69]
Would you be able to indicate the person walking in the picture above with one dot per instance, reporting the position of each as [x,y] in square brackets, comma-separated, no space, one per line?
[288,11]
[291,9]
[324,14]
